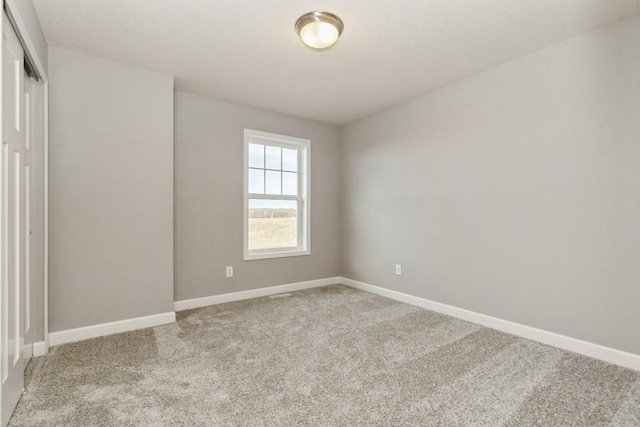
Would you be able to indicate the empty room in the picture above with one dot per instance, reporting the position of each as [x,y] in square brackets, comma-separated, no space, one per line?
[320,213]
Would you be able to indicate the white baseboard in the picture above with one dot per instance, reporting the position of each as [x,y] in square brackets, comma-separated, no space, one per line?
[596,351]
[253,293]
[102,329]
[40,348]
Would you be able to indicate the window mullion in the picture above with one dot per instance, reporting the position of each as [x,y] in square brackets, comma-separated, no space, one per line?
[271,196]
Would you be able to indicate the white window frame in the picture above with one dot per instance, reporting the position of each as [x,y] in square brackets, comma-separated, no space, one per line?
[303,198]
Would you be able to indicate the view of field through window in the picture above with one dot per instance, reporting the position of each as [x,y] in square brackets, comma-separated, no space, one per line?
[273,224]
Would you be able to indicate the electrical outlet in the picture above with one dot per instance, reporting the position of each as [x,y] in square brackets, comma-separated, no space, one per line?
[229,271]
[398,270]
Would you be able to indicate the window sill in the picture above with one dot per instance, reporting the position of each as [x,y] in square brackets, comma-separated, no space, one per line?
[278,254]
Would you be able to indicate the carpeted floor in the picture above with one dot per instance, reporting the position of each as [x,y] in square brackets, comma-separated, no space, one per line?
[326,356]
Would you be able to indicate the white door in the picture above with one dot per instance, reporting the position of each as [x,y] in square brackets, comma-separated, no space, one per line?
[11,221]
[27,312]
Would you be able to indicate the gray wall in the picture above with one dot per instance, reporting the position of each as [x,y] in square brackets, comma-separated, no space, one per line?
[515,193]
[111,191]
[209,199]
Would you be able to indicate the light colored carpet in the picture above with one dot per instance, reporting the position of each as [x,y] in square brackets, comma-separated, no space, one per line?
[326,356]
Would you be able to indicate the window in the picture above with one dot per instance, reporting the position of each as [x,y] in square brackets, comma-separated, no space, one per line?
[276,195]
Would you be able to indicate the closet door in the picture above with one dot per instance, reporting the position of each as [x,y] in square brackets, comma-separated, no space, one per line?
[12,234]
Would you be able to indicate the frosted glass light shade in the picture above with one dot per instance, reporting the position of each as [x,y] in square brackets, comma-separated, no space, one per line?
[319,30]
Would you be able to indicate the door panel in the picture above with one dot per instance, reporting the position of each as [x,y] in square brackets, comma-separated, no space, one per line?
[27,347]
[12,221]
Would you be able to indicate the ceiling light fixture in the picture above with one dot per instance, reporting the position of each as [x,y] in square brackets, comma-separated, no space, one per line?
[319,30]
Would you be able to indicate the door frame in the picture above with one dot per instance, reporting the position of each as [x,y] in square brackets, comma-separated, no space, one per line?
[22,30]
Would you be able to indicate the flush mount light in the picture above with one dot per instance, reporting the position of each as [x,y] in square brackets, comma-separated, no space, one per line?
[319,30]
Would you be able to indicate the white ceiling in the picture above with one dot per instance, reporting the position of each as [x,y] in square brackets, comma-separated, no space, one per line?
[247,51]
